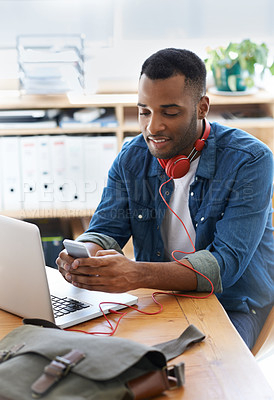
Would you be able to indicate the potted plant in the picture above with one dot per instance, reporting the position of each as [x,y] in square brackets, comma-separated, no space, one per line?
[233,67]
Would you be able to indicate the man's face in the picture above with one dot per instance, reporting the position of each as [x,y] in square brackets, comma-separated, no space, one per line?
[167,116]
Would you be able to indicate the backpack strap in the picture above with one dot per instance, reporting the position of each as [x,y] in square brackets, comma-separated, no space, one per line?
[171,377]
[173,348]
[40,322]
[56,370]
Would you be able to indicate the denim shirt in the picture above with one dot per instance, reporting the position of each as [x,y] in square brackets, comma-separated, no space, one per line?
[230,206]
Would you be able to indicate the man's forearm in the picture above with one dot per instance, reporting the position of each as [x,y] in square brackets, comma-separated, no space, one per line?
[167,276]
[160,275]
[202,261]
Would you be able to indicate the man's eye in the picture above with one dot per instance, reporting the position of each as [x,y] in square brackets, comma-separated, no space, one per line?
[171,114]
[144,113]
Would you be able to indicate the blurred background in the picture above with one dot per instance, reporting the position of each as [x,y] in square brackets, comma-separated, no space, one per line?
[120,34]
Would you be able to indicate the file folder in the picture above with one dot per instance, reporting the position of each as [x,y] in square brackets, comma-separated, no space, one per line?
[29,162]
[59,170]
[10,172]
[75,180]
[45,176]
[99,154]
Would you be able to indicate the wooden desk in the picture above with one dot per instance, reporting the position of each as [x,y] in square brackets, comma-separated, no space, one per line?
[221,367]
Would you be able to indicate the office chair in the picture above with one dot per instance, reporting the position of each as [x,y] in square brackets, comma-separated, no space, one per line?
[264,345]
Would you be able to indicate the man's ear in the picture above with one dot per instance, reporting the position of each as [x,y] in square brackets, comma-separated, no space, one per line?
[203,107]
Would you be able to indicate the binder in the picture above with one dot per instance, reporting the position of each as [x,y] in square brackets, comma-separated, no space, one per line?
[74,193]
[99,154]
[45,176]
[109,150]
[91,171]
[29,162]
[59,170]
[55,172]
[11,176]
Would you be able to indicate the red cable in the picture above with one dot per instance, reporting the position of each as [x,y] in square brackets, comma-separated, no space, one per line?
[177,216]
[184,252]
[113,329]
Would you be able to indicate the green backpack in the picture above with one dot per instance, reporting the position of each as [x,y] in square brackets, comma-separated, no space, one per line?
[38,362]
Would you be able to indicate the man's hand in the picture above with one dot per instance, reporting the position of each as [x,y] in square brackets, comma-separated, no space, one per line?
[110,271]
[106,271]
[64,261]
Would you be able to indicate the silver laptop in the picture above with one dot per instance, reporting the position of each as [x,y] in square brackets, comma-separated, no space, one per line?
[28,288]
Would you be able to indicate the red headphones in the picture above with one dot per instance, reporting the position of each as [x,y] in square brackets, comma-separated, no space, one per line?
[178,166]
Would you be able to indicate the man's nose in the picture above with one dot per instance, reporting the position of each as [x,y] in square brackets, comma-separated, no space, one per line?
[155,125]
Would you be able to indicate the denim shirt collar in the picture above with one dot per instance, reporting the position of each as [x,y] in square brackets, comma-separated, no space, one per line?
[207,165]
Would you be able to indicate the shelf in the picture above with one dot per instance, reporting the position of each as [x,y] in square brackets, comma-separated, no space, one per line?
[261,97]
[252,113]
[134,128]
[103,100]
[245,123]
[258,110]
[55,131]
[47,213]
[15,100]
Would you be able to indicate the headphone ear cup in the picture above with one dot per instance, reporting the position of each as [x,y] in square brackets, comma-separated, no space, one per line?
[177,167]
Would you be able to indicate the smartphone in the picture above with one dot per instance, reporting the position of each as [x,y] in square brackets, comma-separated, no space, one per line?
[76,249]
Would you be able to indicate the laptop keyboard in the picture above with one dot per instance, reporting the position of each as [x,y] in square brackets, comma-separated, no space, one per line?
[65,305]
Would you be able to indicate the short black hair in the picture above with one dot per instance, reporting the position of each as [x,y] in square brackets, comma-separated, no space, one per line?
[169,62]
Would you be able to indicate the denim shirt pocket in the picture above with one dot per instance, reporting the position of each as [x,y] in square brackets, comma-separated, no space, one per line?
[143,222]
[141,214]
[205,222]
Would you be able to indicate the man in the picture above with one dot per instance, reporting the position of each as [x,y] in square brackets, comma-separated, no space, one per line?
[223,200]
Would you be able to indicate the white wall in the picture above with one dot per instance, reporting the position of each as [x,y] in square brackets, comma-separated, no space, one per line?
[120,34]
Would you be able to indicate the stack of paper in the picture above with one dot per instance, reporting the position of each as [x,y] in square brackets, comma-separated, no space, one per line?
[89,117]
[28,119]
